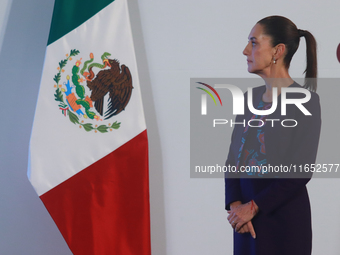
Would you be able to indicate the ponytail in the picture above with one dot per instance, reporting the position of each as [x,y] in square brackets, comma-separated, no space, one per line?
[311,60]
[283,30]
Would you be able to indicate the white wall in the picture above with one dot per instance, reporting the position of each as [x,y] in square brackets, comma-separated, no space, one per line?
[175,41]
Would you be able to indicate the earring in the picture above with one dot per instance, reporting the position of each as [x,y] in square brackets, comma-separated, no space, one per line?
[274,60]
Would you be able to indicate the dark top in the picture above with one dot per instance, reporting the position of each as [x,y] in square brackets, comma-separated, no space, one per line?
[283,223]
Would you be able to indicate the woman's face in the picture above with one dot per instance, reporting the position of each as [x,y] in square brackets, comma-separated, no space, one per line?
[259,51]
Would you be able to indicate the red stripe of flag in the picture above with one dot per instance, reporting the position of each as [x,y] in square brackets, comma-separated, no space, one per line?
[104,209]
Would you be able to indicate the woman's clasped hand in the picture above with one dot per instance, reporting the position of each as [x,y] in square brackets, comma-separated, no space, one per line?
[240,216]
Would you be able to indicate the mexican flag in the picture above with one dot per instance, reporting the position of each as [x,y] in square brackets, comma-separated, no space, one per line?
[88,157]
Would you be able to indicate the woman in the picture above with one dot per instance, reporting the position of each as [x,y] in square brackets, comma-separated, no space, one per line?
[272,215]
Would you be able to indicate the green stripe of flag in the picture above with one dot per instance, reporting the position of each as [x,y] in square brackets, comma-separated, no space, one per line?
[69,14]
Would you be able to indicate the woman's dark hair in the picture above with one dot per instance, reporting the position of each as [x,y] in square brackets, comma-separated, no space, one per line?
[283,30]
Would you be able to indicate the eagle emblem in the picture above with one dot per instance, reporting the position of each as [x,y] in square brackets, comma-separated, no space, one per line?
[82,95]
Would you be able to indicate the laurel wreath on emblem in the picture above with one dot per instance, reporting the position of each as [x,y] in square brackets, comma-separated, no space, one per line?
[114,80]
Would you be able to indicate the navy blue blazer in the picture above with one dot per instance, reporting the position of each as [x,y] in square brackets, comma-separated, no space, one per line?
[284,209]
